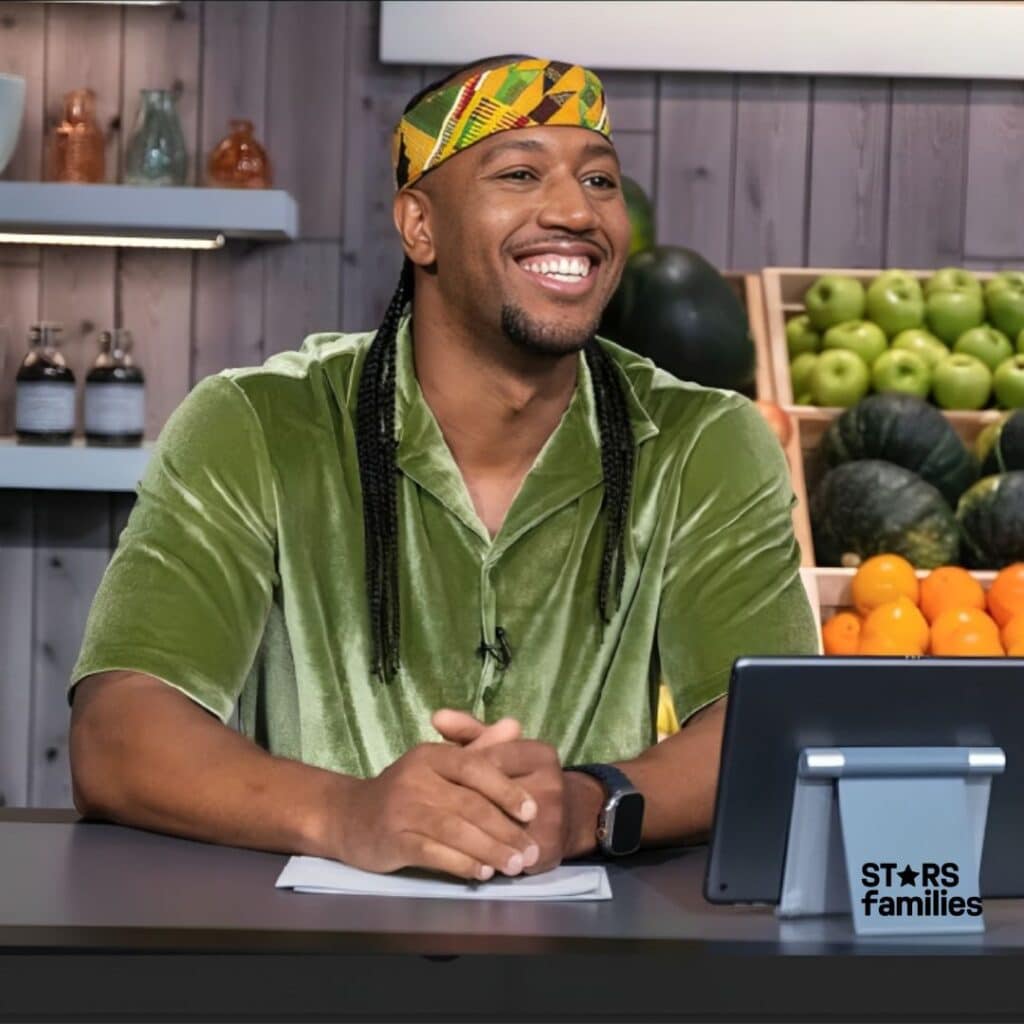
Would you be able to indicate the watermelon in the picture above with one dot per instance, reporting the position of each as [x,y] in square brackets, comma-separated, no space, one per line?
[641,216]
[907,431]
[873,507]
[675,308]
[991,517]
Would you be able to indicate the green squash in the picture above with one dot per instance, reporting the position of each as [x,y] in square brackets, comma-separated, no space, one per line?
[907,431]
[1005,445]
[873,507]
[991,517]
[675,308]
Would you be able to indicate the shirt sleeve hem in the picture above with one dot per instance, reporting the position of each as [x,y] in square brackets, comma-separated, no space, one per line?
[191,684]
[707,691]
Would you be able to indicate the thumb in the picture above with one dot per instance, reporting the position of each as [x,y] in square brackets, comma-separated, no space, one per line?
[462,728]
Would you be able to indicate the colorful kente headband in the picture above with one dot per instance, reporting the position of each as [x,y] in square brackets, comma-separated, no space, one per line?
[524,94]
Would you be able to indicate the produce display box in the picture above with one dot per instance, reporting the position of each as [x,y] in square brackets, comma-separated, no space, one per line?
[750,290]
[828,590]
[784,289]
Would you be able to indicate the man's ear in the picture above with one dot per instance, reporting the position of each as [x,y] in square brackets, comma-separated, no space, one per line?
[413,221]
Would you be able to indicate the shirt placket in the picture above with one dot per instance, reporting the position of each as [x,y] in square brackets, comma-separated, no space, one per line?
[490,676]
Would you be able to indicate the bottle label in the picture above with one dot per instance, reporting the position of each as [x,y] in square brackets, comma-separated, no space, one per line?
[45,407]
[115,408]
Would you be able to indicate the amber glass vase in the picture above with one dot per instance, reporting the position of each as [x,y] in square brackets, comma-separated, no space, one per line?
[239,161]
[76,145]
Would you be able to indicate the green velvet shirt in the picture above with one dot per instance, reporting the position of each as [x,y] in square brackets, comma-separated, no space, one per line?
[240,574]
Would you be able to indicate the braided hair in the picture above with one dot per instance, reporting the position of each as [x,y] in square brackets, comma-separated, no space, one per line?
[376,448]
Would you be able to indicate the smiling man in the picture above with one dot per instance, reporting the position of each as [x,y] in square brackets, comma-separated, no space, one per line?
[442,567]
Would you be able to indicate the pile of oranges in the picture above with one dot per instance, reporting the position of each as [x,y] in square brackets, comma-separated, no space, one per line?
[948,613]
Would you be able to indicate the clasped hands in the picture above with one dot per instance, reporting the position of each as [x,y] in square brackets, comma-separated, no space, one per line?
[486,801]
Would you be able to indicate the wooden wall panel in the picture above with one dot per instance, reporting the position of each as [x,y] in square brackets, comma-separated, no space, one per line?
[632,98]
[375,95]
[769,208]
[849,149]
[637,158]
[303,293]
[994,216]
[71,552]
[16,607]
[695,162]
[928,146]
[23,52]
[304,116]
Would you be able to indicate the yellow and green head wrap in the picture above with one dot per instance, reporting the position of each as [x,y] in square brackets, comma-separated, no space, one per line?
[524,94]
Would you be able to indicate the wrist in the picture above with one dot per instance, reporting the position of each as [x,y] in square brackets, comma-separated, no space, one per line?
[584,797]
[326,819]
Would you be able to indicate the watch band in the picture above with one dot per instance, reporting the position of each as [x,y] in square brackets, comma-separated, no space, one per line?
[608,775]
[611,839]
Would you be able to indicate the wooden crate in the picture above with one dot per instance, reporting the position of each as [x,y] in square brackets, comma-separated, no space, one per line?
[784,289]
[828,590]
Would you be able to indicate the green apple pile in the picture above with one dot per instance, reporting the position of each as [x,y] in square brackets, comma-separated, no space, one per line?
[952,341]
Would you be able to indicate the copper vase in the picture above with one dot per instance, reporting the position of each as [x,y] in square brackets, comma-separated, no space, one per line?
[239,161]
[77,145]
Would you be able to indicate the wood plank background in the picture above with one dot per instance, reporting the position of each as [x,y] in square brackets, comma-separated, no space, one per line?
[749,170]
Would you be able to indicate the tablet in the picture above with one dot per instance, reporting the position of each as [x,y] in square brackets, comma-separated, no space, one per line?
[778,706]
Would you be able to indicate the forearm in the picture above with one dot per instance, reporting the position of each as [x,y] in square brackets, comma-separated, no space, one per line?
[146,756]
[677,777]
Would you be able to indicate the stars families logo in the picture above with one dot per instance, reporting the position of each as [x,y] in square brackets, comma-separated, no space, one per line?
[930,896]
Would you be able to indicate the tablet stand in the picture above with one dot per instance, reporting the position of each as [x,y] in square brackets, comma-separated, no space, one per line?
[892,835]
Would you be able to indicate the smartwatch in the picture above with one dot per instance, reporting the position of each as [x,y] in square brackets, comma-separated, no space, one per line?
[620,821]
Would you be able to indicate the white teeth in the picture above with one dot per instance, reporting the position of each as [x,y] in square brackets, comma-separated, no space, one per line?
[563,265]
[562,268]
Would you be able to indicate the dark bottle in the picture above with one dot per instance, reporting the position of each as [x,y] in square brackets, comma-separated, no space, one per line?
[45,391]
[115,394]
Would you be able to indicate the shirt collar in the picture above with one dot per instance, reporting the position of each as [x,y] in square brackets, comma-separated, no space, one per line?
[568,465]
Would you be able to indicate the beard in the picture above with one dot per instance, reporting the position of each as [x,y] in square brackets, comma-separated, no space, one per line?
[543,338]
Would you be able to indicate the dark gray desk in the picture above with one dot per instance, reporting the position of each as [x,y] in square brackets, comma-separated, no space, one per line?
[99,922]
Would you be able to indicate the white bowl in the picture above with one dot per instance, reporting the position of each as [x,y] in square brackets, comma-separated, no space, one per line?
[12,108]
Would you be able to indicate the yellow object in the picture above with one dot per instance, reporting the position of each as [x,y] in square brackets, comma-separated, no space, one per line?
[948,588]
[668,724]
[897,627]
[955,631]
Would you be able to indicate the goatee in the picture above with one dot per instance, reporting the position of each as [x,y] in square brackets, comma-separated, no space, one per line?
[543,338]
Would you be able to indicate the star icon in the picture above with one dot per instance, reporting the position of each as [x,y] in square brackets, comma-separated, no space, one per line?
[908,876]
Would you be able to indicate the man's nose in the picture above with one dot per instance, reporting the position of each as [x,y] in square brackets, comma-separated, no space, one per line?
[567,205]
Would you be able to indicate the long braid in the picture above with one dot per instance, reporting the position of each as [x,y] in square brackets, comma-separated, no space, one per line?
[376,448]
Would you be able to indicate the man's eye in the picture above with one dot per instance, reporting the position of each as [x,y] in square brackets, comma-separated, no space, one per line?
[518,175]
[602,179]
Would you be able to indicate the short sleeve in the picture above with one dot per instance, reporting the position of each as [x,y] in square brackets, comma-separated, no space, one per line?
[186,595]
[732,586]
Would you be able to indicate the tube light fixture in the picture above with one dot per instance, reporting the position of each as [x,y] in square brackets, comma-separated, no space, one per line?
[115,241]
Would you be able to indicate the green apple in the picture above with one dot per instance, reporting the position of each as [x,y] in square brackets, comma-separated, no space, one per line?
[922,343]
[839,378]
[899,370]
[949,314]
[860,336]
[895,302]
[833,299]
[961,381]
[1004,296]
[1020,342]
[805,399]
[992,347]
[800,372]
[952,279]
[1008,381]
[801,337]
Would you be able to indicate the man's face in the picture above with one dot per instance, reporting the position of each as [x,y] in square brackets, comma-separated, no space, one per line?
[530,233]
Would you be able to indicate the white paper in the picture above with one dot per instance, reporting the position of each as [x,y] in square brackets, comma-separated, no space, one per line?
[317,875]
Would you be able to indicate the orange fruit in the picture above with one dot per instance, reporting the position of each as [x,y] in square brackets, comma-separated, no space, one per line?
[969,642]
[1016,651]
[950,587]
[894,628]
[881,580]
[949,629]
[1012,633]
[1006,595]
[841,633]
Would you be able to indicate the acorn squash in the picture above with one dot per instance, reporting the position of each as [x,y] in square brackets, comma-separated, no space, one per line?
[991,517]
[907,431]
[873,507]
[1005,445]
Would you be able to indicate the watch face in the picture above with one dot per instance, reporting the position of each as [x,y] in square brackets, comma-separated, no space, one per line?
[628,824]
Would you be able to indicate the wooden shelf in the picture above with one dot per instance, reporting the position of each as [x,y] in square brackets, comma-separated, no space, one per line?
[258,214]
[73,467]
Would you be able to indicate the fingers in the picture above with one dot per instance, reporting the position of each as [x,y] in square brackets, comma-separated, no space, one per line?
[462,728]
[523,757]
[460,830]
[476,772]
[423,852]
